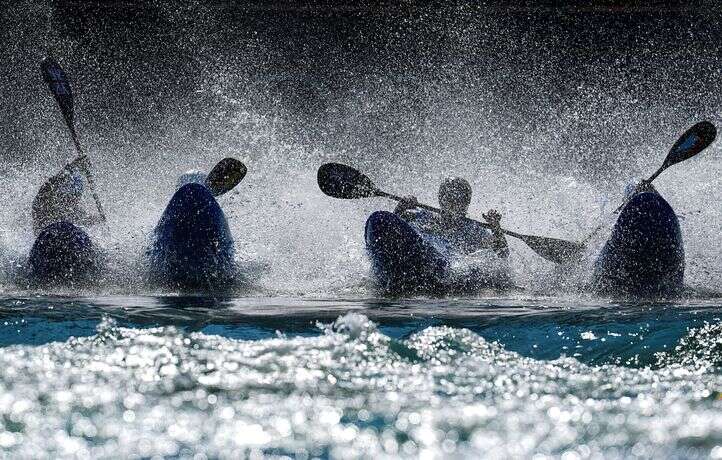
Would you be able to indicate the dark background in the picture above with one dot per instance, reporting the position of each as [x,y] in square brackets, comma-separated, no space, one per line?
[581,85]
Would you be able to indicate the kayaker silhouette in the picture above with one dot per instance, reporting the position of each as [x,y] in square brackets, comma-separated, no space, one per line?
[464,235]
[60,199]
[192,247]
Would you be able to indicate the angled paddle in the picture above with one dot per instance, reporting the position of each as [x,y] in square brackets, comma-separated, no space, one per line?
[341,181]
[59,86]
[690,143]
[225,175]
[693,141]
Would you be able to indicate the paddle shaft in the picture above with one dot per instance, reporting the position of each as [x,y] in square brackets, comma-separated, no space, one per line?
[659,171]
[648,181]
[437,210]
[86,171]
[552,249]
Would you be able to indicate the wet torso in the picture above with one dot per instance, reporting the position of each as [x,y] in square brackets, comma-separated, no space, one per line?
[462,235]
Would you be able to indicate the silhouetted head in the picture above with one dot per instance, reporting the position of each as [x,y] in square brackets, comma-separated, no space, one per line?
[71,185]
[455,196]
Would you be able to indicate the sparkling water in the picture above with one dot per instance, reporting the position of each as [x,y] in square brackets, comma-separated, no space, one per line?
[203,378]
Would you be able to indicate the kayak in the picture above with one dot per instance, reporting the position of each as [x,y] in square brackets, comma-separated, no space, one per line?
[63,253]
[192,246]
[644,256]
[406,260]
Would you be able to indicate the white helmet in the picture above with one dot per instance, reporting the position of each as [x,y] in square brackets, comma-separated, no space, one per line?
[193,176]
[631,187]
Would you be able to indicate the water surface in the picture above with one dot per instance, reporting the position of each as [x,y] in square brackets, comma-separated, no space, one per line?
[183,376]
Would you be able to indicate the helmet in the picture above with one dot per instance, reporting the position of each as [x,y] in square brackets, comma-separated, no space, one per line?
[455,195]
[192,176]
[71,185]
[636,185]
[630,188]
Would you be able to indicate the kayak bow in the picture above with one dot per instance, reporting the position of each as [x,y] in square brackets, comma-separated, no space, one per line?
[405,260]
[63,253]
[192,246]
[644,255]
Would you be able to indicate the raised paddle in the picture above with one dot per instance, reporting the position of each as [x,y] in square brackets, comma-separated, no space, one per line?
[342,181]
[228,173]
[692,142]
[56,79]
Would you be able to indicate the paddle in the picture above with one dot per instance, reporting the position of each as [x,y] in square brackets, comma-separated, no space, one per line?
[56,79]
[224,176]
[341,181]
[692,142]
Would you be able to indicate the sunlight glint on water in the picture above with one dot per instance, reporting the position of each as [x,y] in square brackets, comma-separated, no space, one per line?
[350,391]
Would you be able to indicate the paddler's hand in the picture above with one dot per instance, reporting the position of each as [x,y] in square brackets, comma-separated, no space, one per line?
[406,203]
[82,164]
[644,186]
[493,218]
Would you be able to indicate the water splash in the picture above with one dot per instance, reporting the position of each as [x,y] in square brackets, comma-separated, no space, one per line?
[409,102]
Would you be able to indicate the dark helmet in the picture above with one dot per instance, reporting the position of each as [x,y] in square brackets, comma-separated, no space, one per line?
[455,195]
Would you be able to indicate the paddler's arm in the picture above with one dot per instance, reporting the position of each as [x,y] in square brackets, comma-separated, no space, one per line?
[81,166]
[498,240]
[406,204]
[41,207]
[48,188]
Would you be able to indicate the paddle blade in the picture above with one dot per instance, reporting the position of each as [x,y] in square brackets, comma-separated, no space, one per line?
[228,173]
[341,181]
[693,141]
[553,249]
[56,79]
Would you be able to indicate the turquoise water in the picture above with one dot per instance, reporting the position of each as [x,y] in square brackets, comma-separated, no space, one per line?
[338,378]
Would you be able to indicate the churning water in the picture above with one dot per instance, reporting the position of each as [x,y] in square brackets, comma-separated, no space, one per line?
[548,115]
[350,378]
